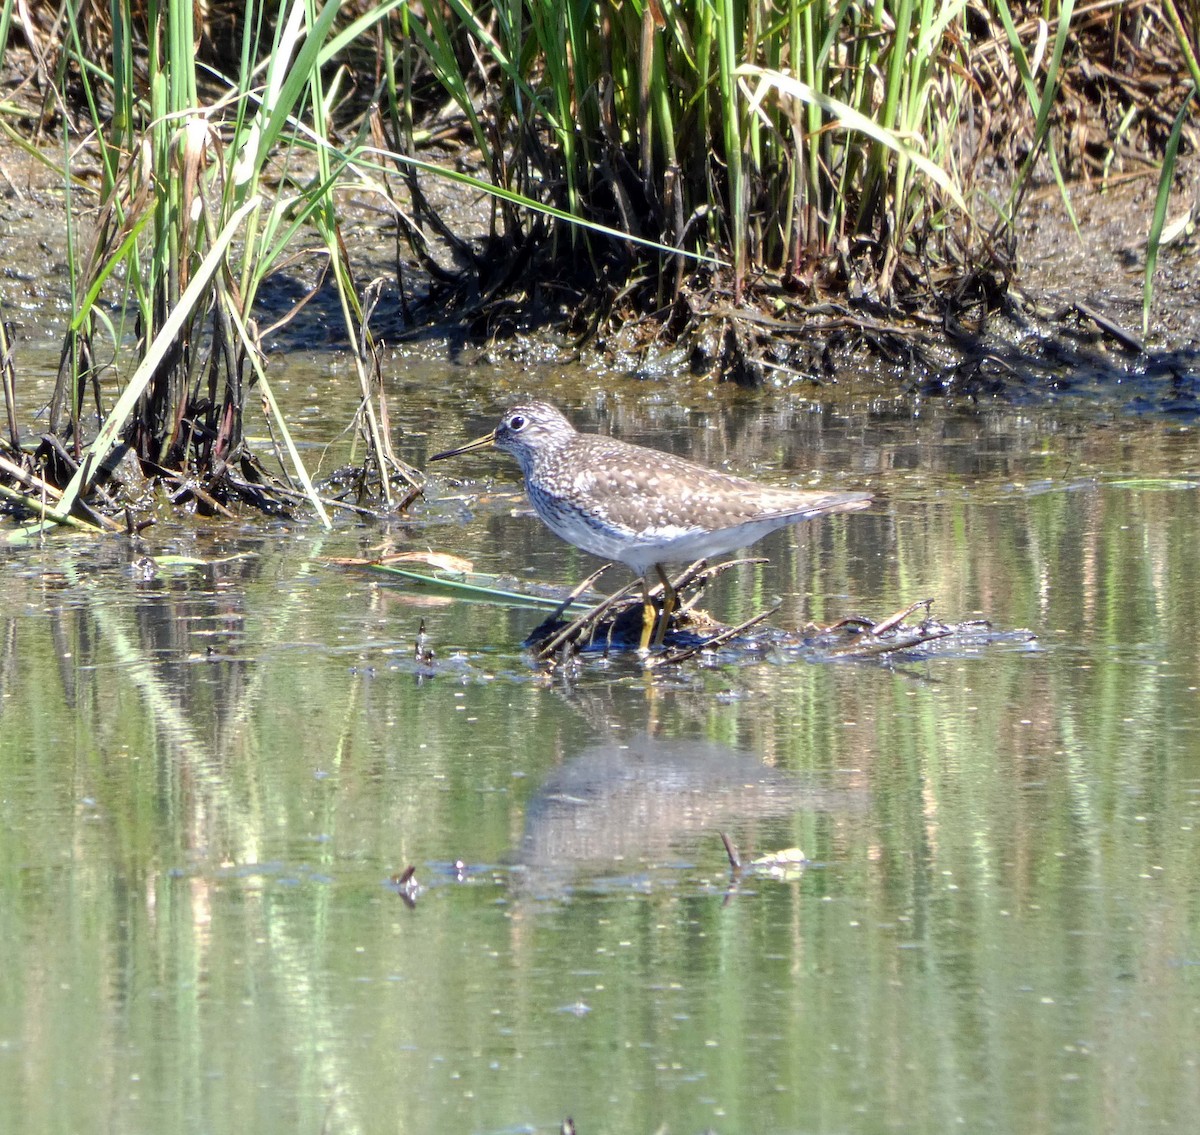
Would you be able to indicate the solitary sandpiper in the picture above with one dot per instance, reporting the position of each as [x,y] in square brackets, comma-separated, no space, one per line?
[641,507]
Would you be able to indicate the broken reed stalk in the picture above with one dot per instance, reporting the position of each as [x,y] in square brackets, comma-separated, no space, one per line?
[46,493]
[8,379]
[45,512]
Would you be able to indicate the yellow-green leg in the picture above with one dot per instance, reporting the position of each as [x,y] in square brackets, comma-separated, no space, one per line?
[670,602]
[647,616]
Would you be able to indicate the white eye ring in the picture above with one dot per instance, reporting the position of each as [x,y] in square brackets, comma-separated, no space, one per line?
[516,423]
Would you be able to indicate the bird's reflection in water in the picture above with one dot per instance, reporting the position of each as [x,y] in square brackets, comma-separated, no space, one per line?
[619,808]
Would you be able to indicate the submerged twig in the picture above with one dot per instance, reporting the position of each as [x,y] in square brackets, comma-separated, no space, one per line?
[586,624]
[881,628]
[611,620]
[735,860]
[560,610]
[727,635]
[406,886]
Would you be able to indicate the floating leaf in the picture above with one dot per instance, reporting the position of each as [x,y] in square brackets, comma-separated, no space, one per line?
[477,584]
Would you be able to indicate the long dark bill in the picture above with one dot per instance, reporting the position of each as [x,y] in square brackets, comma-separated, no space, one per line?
[478,443]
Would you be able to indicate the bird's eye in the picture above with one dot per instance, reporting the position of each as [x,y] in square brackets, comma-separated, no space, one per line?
[516,422]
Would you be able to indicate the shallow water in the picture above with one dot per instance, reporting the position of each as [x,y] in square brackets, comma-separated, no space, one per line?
[209,778]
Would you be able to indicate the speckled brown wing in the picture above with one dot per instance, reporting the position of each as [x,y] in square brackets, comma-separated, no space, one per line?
[642,490]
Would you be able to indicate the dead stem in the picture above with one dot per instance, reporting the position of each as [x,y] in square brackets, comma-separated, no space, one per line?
[670,657]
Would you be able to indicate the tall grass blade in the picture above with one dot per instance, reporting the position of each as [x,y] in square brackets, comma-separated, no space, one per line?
[268,394]
[847,117]
[1041,102]
[1161,200]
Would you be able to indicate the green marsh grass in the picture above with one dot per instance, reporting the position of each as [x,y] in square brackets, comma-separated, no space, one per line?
[201,198]
[761,133]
